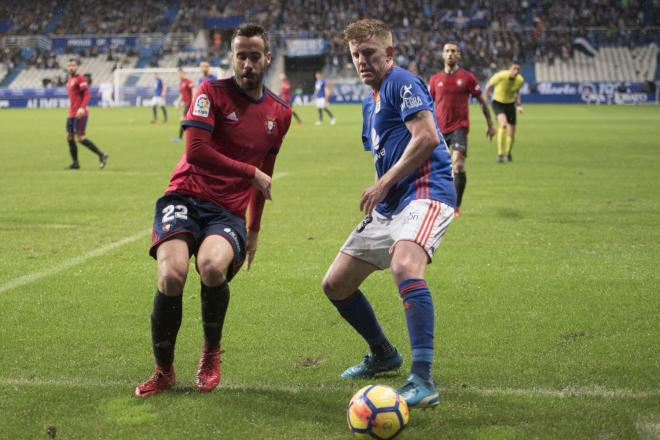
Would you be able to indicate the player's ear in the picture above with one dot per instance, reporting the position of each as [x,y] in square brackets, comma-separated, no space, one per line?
[389,51]
[269,58]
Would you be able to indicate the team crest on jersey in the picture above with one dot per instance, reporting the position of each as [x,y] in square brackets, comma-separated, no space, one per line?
[270,124]
[459,82]
[409,100]
[440,84]
[202,106]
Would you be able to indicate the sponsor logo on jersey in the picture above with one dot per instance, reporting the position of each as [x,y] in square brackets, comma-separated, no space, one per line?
[202,106]
[409,100]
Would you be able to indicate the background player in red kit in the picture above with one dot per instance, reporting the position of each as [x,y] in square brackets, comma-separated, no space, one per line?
[234,130]
[77,87]
[451,89]
[285,94]
[186,87]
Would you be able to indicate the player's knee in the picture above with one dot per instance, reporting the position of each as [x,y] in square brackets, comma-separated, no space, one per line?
[333,287]
[211,272]
[404,268]
[69,137]
[171,279]
[459,165]
[80,138]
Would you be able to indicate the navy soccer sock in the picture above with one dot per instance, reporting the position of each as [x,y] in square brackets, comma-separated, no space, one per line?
[418,304]
[89,144]
[165,323]
[154,111]
[358,312]
[460,180]
[164,113]
[215,301]
[329,113]
[73,150]
[320,115]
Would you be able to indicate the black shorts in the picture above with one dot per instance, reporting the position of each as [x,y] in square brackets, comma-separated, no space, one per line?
[194,219]
[76,126]
[509,111]
[457,140]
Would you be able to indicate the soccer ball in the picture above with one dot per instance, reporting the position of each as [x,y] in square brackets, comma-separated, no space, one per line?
[377,411]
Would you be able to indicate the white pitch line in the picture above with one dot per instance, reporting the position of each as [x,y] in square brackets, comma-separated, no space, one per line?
[593,391]
[34,276]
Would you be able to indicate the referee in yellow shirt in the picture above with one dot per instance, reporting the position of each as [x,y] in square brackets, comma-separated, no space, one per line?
[506,86]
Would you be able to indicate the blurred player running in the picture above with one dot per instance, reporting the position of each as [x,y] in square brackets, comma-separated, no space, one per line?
[158,100]
[285,94]
[451,89]
[77,88]
[186,87]
[205,69]
[234,130]
[506,86]
[407,210]
[322,95]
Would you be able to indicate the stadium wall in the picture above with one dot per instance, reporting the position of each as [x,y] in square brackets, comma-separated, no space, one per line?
[348,92]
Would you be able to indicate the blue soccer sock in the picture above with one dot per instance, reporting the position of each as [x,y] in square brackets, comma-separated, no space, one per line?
[358,312]
[418,304]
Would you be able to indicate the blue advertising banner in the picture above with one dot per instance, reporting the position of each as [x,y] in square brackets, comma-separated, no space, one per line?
[305,47]
[230,22]
[100,42]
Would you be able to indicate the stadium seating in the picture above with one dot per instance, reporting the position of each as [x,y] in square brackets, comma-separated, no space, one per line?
[99,68]
[609,64]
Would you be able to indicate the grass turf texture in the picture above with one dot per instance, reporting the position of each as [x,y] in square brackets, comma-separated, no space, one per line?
[546,289]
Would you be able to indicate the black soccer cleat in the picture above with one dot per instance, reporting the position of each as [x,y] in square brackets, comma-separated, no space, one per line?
[509,158]
[74,166]
[103,160]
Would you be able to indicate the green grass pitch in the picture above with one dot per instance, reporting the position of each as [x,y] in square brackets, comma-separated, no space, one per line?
[547,289]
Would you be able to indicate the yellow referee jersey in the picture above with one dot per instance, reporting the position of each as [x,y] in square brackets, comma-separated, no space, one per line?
[505,88]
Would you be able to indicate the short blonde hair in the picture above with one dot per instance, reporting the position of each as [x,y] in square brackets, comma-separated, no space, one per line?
[366,28]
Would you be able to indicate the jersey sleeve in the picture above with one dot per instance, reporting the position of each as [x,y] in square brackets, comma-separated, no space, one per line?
[432,81]
[201,113]
[473,86]
[410,95]
[495,79]
[365,126]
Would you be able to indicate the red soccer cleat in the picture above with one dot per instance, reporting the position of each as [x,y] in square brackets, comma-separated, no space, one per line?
[208,372]
[157,383]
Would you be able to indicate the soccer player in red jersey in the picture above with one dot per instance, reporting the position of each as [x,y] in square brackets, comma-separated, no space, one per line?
[186,87]
[451,89]
[234,130]
[285,94]
[77,88]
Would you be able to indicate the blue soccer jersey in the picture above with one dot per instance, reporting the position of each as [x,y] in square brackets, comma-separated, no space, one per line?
[203,79]
[158,88]
[384,133]
[319,88]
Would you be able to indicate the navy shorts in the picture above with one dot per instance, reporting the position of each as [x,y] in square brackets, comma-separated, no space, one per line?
[193,219]
[76,125]
[457,140]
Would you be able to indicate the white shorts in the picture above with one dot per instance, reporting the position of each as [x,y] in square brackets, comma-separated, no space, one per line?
[158,100]
[321,103]
[422,221]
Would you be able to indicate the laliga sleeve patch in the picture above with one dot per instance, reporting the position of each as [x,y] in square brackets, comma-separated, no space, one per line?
[202,106]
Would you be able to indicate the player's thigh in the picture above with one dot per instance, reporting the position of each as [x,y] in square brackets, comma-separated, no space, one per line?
[214,257]
[172,256]
[345,275]
[422,223]
[409,260]
[502,119]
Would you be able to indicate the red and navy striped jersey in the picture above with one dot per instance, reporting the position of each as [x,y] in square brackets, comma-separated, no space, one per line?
[243,129]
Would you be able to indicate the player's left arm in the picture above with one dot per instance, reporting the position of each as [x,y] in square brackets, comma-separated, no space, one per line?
[424,140]
[519,107]
[163,93]
[86,96]
[490,131]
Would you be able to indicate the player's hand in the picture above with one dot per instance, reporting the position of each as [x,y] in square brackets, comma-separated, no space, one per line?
[490,132]
[372,196]
[519,108]
[80,113]
[251,247]
[262,182]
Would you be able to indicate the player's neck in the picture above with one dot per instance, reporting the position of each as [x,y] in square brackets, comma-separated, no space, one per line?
[451,69]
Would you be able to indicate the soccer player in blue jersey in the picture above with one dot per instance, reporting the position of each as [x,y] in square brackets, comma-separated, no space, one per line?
[408,210]
[160,91]
[322,95]
[205,68]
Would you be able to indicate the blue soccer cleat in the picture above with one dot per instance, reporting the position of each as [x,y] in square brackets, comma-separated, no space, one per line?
[419,393]
[373,365]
